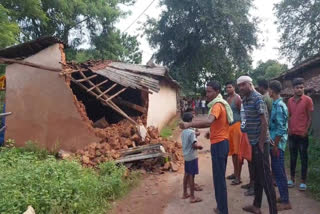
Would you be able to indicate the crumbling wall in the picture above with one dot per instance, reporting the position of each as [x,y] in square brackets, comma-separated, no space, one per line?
[43,105]
[162,106]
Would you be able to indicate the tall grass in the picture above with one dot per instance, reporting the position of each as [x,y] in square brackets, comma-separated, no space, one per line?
[34,177]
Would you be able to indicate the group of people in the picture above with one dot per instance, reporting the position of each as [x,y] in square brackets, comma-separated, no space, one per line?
[197,106]
[257,120]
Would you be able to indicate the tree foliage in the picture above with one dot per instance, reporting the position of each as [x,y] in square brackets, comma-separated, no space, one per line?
[9,30]
[268,70]
[202,40]
[299,23]
[75,22]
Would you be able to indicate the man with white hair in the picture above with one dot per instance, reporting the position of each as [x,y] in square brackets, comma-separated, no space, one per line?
[255,124]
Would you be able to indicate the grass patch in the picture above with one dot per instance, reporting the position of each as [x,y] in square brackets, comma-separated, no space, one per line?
[167,131]
[313,168]
[30,176]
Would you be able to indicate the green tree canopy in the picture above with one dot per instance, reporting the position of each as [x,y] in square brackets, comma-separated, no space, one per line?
[268,70]
[299,23]
[75,22]
[202,40]
[9,30]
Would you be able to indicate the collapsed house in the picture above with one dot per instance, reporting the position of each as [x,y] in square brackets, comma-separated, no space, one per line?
[68,105]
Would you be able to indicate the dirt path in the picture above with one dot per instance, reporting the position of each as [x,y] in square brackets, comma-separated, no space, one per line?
[161,193]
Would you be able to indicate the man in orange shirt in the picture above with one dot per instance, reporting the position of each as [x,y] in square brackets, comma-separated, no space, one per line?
[220,116]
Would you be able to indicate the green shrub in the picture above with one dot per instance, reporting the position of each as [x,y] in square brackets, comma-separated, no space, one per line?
[32,177]
[313,178]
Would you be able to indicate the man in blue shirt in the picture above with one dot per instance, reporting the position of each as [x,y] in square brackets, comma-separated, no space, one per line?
[254,122]
[278,127]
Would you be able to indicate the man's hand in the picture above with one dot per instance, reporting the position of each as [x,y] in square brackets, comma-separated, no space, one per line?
[196,146]
[184,125]
[275,151]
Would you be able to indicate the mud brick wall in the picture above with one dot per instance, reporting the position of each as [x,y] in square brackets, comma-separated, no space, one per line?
[43,105]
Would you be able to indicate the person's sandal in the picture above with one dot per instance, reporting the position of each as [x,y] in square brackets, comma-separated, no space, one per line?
[246,186]
[284,206]
[195,200]
[303,187]
[291,184]
[236,182]
[231,177]
[250,192]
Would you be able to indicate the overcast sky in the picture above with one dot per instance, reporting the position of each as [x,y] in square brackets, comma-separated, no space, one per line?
[268,37]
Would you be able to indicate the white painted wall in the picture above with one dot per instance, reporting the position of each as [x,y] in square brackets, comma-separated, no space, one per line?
[162,105]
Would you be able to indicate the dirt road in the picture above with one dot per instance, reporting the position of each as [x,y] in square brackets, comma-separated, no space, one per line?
[162,193]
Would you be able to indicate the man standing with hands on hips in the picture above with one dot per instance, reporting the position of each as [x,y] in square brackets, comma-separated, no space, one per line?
[220,116]
[255,124]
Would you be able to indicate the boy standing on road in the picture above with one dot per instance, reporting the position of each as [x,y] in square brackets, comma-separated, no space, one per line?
[220,116]
[255,124]
[190,155]
[278,127]
[300,108]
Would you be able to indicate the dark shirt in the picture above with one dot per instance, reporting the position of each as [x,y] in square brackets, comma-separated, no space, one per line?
[254,106]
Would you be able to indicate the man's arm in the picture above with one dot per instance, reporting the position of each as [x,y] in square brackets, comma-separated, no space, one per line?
[238,103]
[310,110]
[204,123]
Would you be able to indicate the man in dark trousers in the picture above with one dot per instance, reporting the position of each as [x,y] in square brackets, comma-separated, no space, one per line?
[300,108]
[219,118]
[255,124]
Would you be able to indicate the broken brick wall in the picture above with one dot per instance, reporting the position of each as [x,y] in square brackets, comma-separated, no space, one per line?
[43,105]
[162,106]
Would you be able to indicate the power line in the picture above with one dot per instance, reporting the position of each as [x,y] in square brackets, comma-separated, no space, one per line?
[134,21]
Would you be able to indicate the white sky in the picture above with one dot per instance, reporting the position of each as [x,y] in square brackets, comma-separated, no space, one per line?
[268,36]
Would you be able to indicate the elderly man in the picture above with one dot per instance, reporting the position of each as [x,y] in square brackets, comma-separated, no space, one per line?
[220,116]
[255,124]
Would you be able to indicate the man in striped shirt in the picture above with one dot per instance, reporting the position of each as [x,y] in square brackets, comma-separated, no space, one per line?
[254,122]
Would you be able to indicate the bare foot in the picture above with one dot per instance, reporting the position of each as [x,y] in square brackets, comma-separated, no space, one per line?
[195,200]
[185,196]
[284,206]
[197,187]
[252,209]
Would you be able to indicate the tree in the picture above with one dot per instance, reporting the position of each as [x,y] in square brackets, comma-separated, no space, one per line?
[202,40]
[75,22]
[9,30]
[299,23]
[268,70]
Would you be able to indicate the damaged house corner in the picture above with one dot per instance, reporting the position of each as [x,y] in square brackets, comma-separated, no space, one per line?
[98,109]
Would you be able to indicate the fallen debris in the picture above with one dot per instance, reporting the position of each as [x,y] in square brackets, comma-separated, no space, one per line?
[123,143]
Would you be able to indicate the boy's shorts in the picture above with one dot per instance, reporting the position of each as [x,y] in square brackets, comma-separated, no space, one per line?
[191,167]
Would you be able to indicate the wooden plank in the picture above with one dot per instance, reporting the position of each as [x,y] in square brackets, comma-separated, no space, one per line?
[136,107]
[110,104]
[87,78]
[129,151]
[30,64]
[106,91]
[116,94]
[98,85]
[138,157]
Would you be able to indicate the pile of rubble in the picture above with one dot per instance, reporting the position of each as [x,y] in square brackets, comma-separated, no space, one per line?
[121,136]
